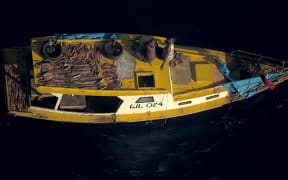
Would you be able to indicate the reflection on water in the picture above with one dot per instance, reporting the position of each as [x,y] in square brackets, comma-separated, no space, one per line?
[239,142]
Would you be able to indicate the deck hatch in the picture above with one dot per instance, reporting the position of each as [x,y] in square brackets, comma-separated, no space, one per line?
[145,80]
[145,99]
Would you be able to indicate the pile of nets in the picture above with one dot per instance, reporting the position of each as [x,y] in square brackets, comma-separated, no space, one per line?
[79,66]
[16,91]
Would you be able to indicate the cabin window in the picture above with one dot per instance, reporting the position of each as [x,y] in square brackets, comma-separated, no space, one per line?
[145,99]
[145,80]
[44,101]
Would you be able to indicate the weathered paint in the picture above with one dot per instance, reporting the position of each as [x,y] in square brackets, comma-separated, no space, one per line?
[166,100]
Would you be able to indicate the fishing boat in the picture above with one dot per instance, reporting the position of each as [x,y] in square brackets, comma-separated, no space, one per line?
[127,78]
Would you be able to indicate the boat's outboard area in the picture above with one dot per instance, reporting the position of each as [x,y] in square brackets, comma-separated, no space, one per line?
[3,107]
[16,78]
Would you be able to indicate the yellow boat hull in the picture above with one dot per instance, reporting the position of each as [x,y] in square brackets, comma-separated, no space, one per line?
[76,85]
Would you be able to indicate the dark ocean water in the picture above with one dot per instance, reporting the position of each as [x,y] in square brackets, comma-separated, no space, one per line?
[247,141]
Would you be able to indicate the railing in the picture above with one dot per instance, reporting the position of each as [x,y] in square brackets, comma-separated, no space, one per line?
[248,56]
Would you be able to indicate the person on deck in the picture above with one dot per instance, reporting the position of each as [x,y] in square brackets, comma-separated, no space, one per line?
[168,52]
[150,50]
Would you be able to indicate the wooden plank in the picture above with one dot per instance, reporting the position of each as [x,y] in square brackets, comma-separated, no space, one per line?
[70,102]
[181,73]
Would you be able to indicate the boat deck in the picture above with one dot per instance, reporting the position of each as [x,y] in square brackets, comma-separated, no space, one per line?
[197,71]
[97,73]
[100,80]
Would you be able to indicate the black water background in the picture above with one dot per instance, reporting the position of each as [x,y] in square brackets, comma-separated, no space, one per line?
[254,148]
